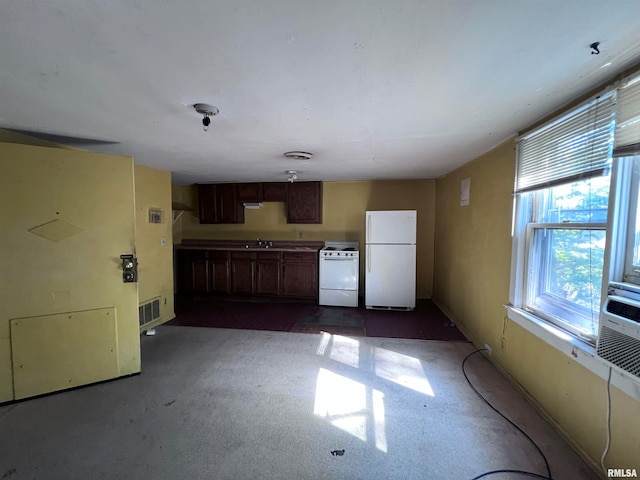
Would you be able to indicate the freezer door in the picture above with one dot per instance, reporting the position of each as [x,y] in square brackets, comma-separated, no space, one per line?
[390,276]
[391,226]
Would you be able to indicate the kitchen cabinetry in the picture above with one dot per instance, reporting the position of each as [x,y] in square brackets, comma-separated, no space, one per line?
[268,273]
[262,192]
[223,202]
[250,192]
[218,271]
[242,273]
[273,272]
[219,203]
[300,274]
[274,192]
[201,271]
[304,202]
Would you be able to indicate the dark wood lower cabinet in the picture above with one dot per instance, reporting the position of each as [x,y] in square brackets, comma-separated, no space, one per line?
[268,273]
[219,274]
[300,275]
[248,273]
[201,271]
[242,273]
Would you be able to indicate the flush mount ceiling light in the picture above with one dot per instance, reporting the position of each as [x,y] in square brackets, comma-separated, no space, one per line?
[293,175]
[207,111]
[299,155]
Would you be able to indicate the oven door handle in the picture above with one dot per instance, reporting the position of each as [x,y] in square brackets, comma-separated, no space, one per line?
[339,259]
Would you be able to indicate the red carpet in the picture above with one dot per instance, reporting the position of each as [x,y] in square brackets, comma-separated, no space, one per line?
[426,322]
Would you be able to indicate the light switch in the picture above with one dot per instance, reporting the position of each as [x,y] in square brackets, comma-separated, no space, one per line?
[163,241]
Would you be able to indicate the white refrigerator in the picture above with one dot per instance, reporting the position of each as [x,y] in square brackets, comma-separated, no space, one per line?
[390,263]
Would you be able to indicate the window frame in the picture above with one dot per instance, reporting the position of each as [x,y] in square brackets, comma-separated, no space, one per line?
[556,309]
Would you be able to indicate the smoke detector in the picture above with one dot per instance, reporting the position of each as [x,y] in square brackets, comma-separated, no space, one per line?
[298,155]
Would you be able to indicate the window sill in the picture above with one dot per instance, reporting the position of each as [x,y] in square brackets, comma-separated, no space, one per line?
[578,350]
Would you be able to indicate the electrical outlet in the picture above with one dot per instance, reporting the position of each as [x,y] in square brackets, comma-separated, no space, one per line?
[487,348]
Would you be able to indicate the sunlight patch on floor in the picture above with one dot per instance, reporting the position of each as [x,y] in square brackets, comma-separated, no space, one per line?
[342,402]
[379,421]
[401,369]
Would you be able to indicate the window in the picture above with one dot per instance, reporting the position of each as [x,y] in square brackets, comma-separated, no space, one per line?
[565,238]
[577,212]
[562,196]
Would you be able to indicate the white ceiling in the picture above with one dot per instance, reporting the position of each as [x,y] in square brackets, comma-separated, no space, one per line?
[374,89]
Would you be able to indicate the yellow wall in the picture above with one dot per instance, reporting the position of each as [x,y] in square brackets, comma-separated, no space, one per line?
[471,283]
[344,206]
[155,260]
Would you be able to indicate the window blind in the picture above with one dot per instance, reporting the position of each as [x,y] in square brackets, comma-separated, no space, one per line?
[574,146]
[627,136]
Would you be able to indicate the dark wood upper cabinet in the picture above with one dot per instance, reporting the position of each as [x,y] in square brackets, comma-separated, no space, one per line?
[207,203]
[223,202]
[219,203]
[250,192]
[229,209]
[274,192]
[304,202]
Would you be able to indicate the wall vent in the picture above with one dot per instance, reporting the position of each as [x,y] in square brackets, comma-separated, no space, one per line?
[621,350]
[149,311]
[619,336]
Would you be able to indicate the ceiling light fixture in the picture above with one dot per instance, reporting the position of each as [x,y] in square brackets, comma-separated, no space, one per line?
[299,155]
[208,111]
[293,175]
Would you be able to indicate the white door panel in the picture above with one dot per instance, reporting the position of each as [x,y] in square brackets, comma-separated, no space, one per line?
[67,216]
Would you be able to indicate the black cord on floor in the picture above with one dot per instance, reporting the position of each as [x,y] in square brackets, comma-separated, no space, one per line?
[494,472]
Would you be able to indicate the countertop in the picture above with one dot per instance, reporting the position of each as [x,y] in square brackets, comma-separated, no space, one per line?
[250,245]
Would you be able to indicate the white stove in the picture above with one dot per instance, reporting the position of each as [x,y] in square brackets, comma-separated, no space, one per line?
[339,271]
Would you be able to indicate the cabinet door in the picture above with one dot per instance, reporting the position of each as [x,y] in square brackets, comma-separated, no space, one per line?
[219,272]
[274,191]
[228,208]
[304,202]
[192,271]
[268,273]
[184,277]
[250,192]
[207,203]
[300,274]
[242,273]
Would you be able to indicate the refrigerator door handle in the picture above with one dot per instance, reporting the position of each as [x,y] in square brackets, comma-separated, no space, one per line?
[368,259]
[368,228]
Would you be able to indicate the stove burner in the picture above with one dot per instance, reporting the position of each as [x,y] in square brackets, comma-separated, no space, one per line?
[329,248]
[350,249]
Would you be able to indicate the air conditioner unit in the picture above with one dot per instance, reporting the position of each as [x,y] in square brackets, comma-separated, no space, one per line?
[619,336]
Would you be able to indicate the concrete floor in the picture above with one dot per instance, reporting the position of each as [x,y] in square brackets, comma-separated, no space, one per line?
[241,404]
